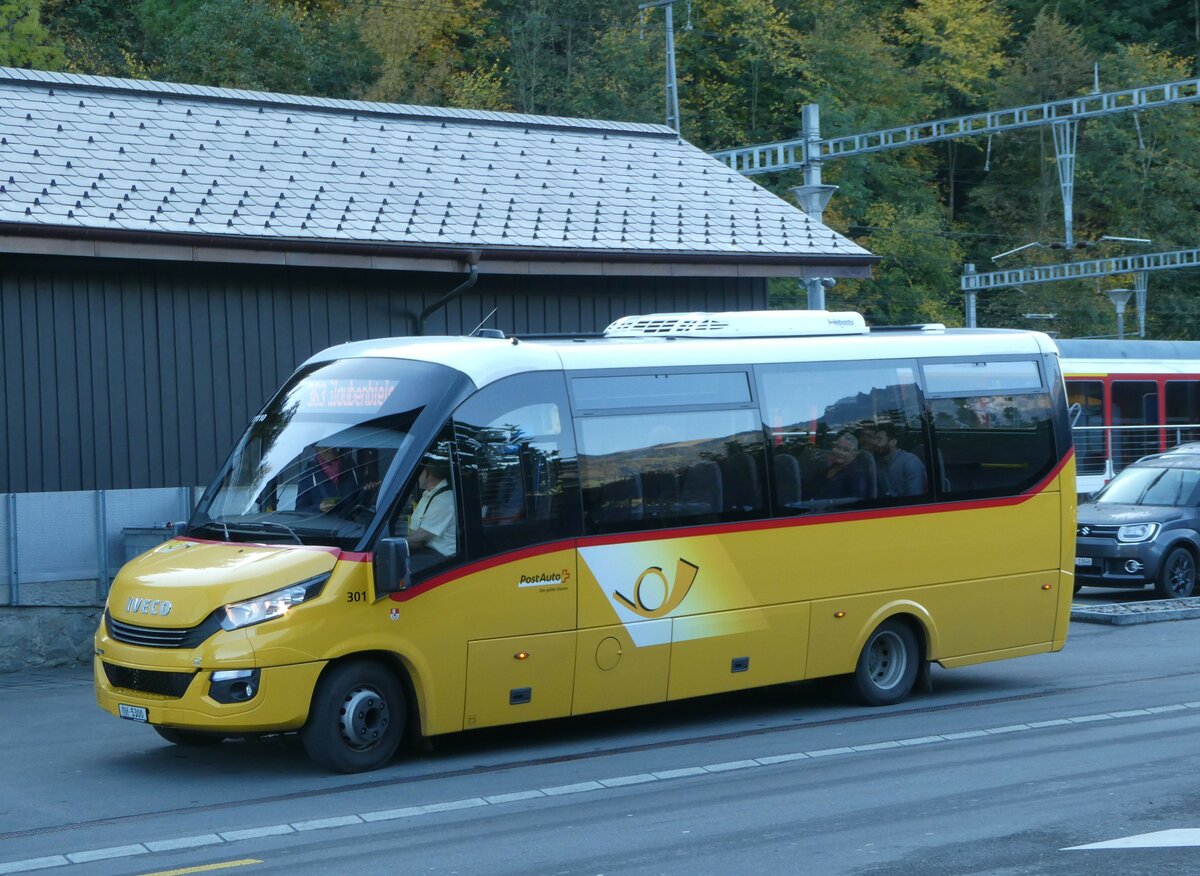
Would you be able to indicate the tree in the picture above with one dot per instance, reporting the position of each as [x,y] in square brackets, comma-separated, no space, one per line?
[420,47]
[250,44]
[917,279]
[24,41]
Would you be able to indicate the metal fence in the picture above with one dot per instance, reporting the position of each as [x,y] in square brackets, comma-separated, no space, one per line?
[65,548]
[1102,451]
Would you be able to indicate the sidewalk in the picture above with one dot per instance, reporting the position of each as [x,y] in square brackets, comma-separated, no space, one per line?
[75,675]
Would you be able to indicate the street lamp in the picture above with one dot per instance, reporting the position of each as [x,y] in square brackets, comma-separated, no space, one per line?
[1119,298]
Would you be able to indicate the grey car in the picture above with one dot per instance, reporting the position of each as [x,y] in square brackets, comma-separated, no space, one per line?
[1143,527]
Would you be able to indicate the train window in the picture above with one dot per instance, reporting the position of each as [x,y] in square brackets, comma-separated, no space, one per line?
[992,445]
[1183,404]
[649,471]
[848,435]
[1089,431]
[517,464]
[686,389]
[1134,403]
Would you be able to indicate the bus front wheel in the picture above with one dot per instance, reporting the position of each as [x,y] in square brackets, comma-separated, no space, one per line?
[357,718]
[887,666]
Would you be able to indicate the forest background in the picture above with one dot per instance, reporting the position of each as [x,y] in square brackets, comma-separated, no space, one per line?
[745,69]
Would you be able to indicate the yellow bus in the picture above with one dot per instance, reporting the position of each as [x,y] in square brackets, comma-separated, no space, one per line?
[428,535]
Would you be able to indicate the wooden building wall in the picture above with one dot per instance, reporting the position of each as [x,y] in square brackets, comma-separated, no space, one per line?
[119,375]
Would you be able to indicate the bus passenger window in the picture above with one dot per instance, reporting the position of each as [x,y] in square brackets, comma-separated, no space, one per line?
[846,434]
[518,465]
[993,445]
[677,468]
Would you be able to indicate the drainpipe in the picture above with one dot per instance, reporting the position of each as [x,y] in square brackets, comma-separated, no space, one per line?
[473,275]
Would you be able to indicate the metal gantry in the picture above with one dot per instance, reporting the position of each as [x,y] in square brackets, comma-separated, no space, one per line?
[809,150]
[1138,265]
[794,154]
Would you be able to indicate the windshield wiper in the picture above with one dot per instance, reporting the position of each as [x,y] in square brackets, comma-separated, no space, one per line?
[263,526]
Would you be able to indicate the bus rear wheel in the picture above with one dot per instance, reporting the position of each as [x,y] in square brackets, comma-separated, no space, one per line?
[356,719]
[887,666]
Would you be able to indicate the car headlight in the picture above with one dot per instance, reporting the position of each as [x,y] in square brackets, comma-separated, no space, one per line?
[272,605]
[1133,532]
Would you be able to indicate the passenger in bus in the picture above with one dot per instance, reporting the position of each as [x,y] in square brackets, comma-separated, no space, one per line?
[897,472]
[433,528]
[330,479]
[847,476]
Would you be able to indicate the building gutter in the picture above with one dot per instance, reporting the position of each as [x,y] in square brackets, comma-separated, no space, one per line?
[37,239]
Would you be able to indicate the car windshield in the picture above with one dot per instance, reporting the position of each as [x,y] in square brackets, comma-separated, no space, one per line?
[309,468]
[1147,485]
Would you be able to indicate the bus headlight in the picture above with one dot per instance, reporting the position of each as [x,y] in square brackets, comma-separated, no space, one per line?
[1135,532]
[272,605]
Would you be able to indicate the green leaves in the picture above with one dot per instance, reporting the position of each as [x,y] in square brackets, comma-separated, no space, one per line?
[24,41]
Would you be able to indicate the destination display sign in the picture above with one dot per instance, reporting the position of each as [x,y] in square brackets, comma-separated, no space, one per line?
[355,395]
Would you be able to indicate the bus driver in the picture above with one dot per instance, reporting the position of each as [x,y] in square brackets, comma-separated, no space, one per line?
[433,528]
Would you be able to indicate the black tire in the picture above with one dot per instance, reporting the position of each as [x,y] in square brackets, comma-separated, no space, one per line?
[1177,575]
[356,719]
[189,738]
[887,666]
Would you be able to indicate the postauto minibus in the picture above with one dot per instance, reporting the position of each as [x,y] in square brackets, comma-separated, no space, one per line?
[690,504]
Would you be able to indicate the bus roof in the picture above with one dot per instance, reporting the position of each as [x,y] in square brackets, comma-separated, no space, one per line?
[485,360]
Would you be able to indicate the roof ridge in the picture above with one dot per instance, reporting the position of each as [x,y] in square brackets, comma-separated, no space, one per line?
[152,87]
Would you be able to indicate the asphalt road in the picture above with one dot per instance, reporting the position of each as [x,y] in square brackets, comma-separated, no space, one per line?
[1004,768]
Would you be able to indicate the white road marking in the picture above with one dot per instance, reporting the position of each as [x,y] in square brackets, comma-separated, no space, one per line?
[1161,839]
[1164,838]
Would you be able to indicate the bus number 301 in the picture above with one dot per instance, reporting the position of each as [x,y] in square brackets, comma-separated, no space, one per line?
[356,596]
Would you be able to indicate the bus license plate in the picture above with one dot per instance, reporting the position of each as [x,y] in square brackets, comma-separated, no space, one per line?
[133,713]
[1083,561]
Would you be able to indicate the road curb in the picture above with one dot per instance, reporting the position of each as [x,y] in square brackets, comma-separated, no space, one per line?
[1149,612]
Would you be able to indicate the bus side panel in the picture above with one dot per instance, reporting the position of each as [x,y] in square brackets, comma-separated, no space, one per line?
[1066,590]
[523,678]
[499,603]
[960,621]
[612,671]
[928,562]
[732,650]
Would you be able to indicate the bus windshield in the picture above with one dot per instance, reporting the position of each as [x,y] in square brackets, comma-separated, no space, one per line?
[309,468]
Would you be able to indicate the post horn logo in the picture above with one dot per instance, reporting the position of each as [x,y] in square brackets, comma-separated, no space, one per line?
[649,607]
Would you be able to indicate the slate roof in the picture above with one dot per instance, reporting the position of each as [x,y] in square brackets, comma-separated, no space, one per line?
[150,161]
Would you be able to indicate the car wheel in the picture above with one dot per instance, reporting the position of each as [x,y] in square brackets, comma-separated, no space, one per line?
[887,666]
[189,738]
[1177,577]
[356,719]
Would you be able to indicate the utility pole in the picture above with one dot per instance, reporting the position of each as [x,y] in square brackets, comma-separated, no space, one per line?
[672,82]
[813,195]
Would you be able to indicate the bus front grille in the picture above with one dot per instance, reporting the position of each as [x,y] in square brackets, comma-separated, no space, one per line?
[159,637]
[165,684]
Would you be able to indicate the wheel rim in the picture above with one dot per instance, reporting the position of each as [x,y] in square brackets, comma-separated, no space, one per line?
[887,660]
[1182,574]
[364,718]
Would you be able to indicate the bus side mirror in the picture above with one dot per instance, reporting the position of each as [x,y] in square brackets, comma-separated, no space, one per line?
[391,566]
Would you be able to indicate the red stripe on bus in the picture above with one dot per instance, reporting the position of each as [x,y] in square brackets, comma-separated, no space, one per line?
[724,529]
